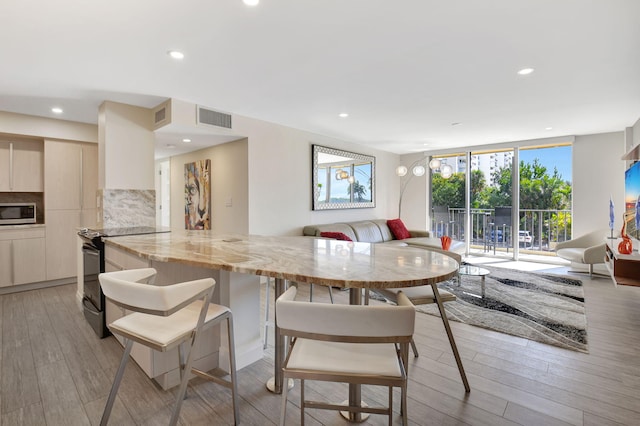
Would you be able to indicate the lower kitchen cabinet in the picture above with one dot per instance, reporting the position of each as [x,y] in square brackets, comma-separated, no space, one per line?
[22,254]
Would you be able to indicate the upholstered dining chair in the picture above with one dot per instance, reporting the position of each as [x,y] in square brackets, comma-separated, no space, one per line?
[163,318]
[587,249]
[267,321]
[355,344]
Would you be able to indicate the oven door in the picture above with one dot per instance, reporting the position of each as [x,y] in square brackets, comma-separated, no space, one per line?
[92,268]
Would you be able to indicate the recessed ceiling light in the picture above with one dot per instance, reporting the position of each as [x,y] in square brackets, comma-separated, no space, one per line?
[548,128]
[175,54]
[186,140]
[525,71]
[170,146]
[343,115]
[251,2]
[57,110]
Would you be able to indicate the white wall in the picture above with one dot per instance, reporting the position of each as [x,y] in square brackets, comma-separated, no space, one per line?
[229,187]
[279,179]
[598,173]
[127,145]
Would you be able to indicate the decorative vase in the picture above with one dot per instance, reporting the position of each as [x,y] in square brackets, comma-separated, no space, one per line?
[625,246]
[445,241]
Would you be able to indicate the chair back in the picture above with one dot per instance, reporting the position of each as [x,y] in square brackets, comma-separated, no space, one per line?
[345,323]
[126,289]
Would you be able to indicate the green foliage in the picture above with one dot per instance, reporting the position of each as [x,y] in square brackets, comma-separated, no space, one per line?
[538,189]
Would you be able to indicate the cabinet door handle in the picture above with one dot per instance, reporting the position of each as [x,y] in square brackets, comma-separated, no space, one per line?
[13,267]
[11,166]
[81,181]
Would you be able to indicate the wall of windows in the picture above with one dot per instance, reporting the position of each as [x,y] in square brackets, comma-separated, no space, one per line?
[518,201]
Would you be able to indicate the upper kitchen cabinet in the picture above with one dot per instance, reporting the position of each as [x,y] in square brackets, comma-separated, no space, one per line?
[71,175]
[21,165]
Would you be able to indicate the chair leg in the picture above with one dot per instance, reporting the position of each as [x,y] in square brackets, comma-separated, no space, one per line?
[310,292]
[391,406]
[414,348]
[181,360]
[283,408]
[301,402]
[331,294]
[184,382]
[232,367]
[403,404]
[116,382]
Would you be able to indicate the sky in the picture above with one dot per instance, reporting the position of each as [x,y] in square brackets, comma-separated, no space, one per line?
[558,157]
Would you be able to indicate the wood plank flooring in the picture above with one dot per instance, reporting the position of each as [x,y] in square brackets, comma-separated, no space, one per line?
[55,371]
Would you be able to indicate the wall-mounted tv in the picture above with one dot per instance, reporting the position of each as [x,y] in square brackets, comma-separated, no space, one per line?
[632,199]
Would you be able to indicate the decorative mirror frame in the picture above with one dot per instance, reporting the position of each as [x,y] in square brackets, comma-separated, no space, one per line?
[352,160]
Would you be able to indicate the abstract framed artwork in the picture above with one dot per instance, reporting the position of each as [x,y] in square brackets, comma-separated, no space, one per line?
[197,195]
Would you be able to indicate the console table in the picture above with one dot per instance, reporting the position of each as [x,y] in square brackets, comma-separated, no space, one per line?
[624,268]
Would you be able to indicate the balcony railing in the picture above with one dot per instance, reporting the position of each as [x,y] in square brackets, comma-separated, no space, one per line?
[540,230]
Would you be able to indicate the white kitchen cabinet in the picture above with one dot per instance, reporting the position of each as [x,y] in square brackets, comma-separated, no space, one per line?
[71,175]
[6,264]
[21,166]
[71,184]
[22,256]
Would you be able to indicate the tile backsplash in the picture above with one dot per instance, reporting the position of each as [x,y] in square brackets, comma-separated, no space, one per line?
[126,207]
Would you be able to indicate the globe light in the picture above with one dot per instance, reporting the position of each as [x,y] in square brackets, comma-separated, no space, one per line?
[401,171]
[435,164]
[446,171]
[418,171]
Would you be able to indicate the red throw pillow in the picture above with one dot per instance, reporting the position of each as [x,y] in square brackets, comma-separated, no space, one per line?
[398,229]
[336,235]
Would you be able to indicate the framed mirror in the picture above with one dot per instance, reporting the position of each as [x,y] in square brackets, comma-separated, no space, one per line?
[342,179]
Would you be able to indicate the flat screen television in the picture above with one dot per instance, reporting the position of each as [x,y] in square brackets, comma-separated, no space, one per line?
[632,199]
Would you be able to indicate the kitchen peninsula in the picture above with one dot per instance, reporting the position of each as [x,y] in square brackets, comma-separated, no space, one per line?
[237,261]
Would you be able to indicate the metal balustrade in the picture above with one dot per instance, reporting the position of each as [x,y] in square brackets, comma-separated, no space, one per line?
[545,227]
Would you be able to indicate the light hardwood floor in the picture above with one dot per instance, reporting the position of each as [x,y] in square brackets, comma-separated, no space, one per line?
[55,371]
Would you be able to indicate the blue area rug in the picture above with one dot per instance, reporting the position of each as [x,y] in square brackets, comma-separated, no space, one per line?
[546,308]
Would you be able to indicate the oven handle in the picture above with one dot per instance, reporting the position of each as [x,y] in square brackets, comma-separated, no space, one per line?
[89,306]
[90,250]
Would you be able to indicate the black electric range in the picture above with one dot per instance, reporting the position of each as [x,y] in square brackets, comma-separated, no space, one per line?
[93,300]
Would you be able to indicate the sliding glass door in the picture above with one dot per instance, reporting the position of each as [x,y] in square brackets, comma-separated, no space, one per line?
[505,202]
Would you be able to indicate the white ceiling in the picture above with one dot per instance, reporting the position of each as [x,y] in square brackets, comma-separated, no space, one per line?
[404,70]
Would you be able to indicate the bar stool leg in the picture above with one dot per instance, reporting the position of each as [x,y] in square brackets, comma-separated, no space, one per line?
[116,382]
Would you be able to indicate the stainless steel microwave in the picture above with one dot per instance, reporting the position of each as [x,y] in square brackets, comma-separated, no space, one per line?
[17,213]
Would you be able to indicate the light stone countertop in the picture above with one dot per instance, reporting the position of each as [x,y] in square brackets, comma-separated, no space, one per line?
[301,259]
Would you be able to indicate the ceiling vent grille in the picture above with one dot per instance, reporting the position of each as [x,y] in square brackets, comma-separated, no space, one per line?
[214,118]
[160,115]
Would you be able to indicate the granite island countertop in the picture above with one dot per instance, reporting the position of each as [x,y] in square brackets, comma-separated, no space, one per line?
[301,259]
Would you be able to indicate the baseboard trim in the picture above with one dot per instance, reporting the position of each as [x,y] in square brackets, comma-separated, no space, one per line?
[36,286]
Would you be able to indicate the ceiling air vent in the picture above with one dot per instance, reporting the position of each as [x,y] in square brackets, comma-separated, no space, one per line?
[214,118]
[160,115]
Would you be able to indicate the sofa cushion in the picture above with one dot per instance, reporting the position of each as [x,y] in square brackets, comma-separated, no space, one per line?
[367,231]
[386,233]
[335,235]
[398,229]
[316,230]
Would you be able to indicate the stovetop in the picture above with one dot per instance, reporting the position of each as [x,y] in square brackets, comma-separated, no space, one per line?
[123,231]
